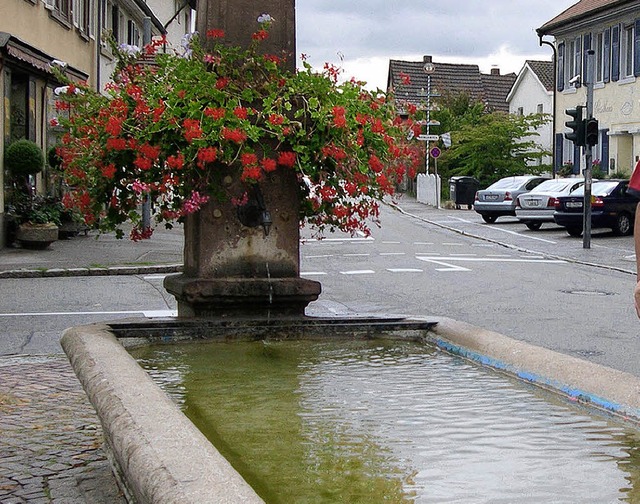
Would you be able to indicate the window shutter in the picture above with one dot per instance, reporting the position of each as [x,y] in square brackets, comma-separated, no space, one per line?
[586,45]
[636,49]
[557,162]
[604,150]
[576,160]
[606,70]
[560,77]
[615,53]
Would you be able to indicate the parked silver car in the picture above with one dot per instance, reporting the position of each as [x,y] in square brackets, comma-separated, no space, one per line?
[500,197]
[537,206]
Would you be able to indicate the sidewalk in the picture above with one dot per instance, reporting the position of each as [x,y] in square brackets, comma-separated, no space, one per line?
[96,254]
[50,437]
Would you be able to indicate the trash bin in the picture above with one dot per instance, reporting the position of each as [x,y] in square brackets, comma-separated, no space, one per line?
[462,190]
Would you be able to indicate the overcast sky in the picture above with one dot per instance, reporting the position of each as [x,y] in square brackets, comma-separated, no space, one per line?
[362,35]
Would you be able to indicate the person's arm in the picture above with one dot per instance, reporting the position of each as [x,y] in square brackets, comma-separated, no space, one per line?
[636,241]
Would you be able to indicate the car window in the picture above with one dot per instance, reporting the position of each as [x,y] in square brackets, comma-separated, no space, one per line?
[533,183]
[506,183]
[597,189]
[553,186]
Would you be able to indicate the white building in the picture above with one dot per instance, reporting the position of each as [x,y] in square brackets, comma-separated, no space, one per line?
[532,93]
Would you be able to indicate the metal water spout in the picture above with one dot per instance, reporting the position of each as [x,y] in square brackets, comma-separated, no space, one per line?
[254,212]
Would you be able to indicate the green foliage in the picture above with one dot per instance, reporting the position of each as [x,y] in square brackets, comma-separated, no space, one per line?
[23,157]
[37,210]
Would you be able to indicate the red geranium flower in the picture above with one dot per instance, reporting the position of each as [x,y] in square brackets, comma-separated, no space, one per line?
[287,158]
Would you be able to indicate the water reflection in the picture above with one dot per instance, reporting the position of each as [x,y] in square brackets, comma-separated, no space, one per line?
[392,422]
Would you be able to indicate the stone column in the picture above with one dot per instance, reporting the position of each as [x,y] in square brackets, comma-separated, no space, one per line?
[238,18]
[234,268]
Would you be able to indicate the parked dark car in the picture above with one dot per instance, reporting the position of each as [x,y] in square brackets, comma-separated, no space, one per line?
[611,207]
[500,197]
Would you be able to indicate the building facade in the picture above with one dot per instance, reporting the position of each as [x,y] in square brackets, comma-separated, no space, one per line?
[532,93]
[37,36]
[602,38]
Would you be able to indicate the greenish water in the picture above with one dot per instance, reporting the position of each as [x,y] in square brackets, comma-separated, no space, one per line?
[392,422]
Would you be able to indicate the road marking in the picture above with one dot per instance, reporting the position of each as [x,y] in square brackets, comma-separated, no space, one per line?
[356,255]
[491,259]
[357,272]
[464,255]
[391,242]
[423,243]
[405,270]
[448,267]
[145,313]
[312,273]
[324,256]
[392,253]
[521,235]
[157,276]
[321,240]
[453,244]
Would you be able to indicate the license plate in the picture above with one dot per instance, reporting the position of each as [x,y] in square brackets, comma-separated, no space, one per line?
[533,202]
[574,204]
[491,197]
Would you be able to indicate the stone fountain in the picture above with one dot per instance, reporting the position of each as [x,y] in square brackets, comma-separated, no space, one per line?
[246,263]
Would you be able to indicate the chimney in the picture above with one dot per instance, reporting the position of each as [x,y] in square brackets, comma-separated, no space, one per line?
[495,71]
[426,59]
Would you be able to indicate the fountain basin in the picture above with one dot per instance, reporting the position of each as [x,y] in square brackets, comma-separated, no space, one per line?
[160,455]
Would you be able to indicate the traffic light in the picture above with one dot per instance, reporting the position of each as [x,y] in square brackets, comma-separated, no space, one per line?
[577,126]
[591,131]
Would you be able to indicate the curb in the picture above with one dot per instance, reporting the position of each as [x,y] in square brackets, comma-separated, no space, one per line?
[76,272]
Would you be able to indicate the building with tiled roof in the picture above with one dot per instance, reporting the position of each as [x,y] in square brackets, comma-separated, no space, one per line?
[532,93]
[607,33]
[409,82]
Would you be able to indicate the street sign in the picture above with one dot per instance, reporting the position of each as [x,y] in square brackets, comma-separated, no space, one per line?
[427,138]
[435,152]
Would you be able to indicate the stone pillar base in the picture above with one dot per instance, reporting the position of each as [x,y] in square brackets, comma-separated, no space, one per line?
[229,297]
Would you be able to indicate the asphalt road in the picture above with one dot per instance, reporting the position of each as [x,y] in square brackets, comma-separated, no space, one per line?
[532,286]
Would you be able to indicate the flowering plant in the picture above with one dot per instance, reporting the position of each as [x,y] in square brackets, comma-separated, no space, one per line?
[164,131]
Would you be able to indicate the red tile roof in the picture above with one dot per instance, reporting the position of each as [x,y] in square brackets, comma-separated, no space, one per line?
[580,10]
[409,82]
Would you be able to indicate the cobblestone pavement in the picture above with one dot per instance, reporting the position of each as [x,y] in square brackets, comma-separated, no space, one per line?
[50,437]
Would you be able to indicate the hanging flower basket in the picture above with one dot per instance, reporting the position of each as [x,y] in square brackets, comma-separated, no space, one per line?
[164,129]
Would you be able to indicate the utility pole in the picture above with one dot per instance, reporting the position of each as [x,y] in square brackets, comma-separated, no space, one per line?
[586,227]
[146,204]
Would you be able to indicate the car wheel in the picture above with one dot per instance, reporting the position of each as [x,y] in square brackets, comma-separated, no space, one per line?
[534,226]
[489,219]
[574,231]
[623,225]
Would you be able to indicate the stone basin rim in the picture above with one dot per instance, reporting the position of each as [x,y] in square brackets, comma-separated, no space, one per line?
[156,452]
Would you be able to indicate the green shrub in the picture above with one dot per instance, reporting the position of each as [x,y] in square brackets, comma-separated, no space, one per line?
[23,157]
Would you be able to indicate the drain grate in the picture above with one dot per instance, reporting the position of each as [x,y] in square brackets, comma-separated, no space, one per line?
[589,353]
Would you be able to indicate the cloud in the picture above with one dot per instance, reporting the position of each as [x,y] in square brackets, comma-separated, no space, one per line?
[363,35]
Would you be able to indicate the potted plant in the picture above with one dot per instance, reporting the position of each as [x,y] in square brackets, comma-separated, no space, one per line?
[33,219]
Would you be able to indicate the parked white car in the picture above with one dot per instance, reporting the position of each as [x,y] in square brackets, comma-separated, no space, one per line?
[500,197]
[537,206]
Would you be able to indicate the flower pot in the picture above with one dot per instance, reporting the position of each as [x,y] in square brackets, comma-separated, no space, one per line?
[37,236]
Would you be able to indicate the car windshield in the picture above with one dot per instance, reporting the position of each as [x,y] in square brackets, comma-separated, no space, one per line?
[597,189]
[507,183]
[553,186]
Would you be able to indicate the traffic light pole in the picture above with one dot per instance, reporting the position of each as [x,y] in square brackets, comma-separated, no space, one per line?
[586,227]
